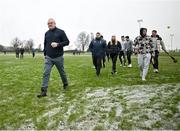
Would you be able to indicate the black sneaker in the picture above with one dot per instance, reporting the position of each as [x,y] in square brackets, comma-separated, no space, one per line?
[65,86]
[43,93]
[113,72]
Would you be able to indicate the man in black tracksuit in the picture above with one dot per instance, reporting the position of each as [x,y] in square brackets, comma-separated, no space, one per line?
[55,40]
[113,48]
[97,47]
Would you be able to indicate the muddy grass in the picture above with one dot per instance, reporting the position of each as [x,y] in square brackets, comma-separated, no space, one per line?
[125,107]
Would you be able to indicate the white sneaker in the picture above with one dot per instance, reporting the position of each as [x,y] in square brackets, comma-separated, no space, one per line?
[157,71]
[93,67]
[120,64]
[130,65]
[143,79]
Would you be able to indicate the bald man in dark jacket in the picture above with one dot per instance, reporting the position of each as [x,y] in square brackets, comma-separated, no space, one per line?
[55,40]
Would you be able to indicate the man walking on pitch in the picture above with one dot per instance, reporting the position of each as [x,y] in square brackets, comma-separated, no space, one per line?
[157,41]
[97,47]
[55,40]
[129,50]
[122,52]
[145,49]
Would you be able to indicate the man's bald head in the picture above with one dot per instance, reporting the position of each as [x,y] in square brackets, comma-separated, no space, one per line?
[51,23]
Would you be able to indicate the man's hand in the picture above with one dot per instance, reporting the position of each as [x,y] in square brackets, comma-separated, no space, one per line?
[54,44]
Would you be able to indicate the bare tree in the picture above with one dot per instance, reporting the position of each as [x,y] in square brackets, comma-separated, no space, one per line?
[83,40]
[39,48]
[91,36]
[16,42]
[29,45]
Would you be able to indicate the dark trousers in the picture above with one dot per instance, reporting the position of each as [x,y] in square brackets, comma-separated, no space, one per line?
[21,55]
[155,59]
[108,56]
[97,63]
[33,54]
[49,63]
[129,53]
[17,55]
[122,54]
[104,60]
[114,59]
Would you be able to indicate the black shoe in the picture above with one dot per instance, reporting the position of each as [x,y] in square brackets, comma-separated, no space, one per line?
[65,86]
[97,73]
[113,72]
[43,93]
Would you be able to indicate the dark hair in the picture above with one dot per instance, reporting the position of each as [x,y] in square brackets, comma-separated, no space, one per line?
[127,37]
[141,31]
[122,36]
[155,31]
[98,33]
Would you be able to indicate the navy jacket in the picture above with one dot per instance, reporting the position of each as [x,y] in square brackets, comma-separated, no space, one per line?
[58,36]
[98,47]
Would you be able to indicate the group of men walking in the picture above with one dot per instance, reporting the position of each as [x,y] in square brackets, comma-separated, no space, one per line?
[114,48]
[144,46]
[20,52]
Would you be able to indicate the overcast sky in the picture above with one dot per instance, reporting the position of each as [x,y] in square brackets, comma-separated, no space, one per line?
[28,18]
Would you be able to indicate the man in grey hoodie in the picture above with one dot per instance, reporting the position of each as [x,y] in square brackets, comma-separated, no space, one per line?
[129,50]
[122,57]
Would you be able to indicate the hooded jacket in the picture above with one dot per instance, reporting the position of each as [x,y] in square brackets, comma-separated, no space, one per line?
[143,43]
